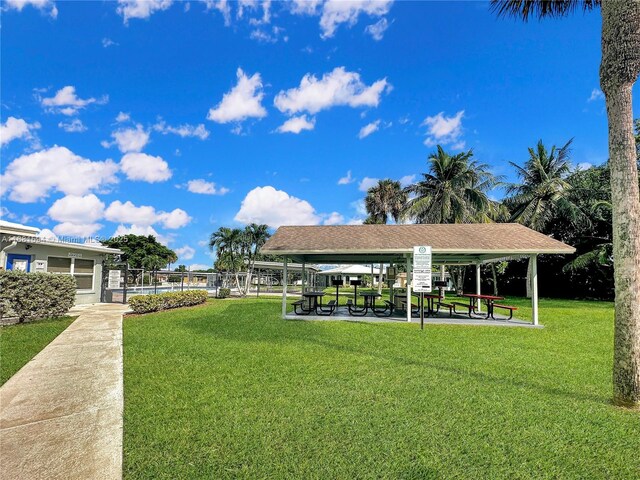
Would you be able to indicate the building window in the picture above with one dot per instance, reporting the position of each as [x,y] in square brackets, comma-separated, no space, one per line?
[82,270]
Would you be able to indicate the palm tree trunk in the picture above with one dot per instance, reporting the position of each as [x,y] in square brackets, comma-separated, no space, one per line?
[618,72]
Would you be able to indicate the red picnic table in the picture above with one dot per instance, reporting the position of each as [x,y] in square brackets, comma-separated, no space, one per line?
[489,300]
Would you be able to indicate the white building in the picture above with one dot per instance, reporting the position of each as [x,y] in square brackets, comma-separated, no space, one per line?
[21,248]
[347,273]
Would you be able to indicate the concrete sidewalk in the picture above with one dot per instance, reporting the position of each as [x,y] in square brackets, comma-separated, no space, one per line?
[61,414]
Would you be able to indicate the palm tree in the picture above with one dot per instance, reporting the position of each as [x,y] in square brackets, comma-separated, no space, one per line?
[543,190]
[454,190]
[254,237]
[619,70]
[227,242]
[385,199]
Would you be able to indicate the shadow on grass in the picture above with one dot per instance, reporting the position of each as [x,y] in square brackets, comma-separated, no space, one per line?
[239,325]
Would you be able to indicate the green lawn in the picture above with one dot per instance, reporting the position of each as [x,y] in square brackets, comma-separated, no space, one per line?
[20,343]
[230,390]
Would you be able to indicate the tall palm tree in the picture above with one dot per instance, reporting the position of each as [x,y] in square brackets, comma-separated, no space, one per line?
[454,190]
[254,237]
[385,199]
[543,190]
[227,242]
[619,70]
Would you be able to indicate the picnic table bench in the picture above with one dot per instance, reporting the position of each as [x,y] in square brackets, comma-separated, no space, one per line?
[506,307]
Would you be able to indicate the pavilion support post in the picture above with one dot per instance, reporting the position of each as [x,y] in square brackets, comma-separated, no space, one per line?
[534,288]
[442,279]
[380,279]
[284,289]
[304,276]
[372,276]
[408,288]
[478,288]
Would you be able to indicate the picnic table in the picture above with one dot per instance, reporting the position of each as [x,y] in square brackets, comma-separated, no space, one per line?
[313,300]
[489,300]
[369,304]
[429,297]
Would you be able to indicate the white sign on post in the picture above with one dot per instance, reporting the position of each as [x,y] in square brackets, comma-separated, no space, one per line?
[422,269]
[114,279]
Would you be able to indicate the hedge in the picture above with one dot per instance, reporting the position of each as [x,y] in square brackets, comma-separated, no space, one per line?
[30,296]
[166,301]
[224,292]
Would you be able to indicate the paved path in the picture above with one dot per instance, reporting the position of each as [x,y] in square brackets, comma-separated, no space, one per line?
[61,414]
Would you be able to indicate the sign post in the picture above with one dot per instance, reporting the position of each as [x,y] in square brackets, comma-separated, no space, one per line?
[422,275]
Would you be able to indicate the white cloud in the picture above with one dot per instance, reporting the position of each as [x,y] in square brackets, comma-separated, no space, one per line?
[141,8]
[407,180]
[123,117]
[129,139]
[141,230]
[107,42]
[183,131]
[346,180]
[206,188]
[297,124]
[127,212]
[176,218]
[337,12]
[359,207]
[444,130]
[77,209]
[47,234]
[140,166]
[367,182]
[336,88]
[185,253]
[76,229]
[241,102]
[306,7]
[254,5]
[45,6]
[376,30]
[66,102]
[334,218]
[199,266]
[16,128]
[74,125]
[145,215]
[369,129]
[596,94]
[222,6]
[30,177]
[275,208]
[268,35]
[584,166]
[355,221]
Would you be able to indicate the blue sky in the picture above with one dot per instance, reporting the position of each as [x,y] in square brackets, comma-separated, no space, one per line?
[176,118]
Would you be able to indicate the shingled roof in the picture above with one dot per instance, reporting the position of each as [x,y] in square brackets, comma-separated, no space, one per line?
[460,241]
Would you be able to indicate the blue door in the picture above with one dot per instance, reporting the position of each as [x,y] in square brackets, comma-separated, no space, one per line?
[16,261]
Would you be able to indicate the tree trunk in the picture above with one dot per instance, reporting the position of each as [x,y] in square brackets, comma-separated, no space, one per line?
[618,72]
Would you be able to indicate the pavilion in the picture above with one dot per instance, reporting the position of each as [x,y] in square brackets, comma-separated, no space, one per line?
[451,244]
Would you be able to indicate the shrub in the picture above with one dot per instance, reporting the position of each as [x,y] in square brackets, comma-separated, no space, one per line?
[31,296]
[224,292]
[166,301]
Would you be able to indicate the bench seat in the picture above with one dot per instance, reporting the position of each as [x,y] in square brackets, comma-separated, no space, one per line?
[506,307]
